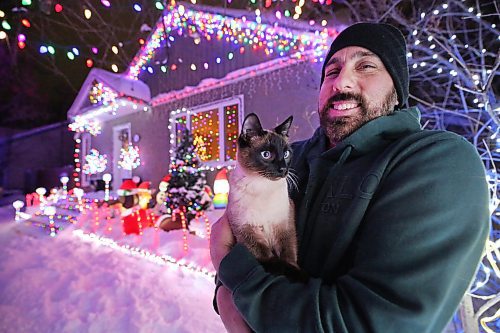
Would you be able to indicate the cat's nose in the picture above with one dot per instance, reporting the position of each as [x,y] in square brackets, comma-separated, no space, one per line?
[283,171]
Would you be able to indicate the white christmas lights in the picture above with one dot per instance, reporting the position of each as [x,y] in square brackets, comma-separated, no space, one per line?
[162,260]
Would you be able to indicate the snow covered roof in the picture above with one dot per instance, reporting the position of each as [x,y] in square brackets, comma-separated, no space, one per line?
[123,87]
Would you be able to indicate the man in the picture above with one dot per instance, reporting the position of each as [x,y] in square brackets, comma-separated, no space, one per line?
[391,219]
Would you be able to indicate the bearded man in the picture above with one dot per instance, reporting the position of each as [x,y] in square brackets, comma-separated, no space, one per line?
[391,219]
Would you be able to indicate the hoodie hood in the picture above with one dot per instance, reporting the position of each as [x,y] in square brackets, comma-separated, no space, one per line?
[375,133]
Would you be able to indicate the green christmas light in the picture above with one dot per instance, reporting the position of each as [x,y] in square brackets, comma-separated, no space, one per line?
[159,5]
[70,55]
[26,2]
[51,49]
[6,25]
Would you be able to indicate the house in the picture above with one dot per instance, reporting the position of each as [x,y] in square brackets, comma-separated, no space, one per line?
[35,157]
[203,70]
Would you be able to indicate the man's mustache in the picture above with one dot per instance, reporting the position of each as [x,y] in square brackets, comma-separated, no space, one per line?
[345,97]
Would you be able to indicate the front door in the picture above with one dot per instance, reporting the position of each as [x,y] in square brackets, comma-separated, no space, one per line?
[121,138]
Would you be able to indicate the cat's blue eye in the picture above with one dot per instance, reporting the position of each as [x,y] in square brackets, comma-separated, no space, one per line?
[266,154]
[287,154]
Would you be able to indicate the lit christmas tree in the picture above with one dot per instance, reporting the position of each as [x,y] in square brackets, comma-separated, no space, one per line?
[187,184]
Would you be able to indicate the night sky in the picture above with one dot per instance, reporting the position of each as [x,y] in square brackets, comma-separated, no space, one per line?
[38,89]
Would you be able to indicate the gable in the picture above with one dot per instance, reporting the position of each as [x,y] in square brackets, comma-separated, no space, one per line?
[101,89]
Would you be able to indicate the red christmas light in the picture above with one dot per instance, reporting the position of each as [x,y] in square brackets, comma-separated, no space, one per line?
[141,41]
[58,8]
[173,67]
[26,23]
[89,63]
[21,45]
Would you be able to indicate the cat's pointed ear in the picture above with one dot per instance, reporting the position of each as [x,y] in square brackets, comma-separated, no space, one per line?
[251,125]
[283,128]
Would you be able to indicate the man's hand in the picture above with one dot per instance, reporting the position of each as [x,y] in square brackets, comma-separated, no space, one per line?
[221,241]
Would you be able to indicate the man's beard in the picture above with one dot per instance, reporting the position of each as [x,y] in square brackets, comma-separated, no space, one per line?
[338,128]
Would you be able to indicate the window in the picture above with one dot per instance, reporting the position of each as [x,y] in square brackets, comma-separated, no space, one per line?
[215,130]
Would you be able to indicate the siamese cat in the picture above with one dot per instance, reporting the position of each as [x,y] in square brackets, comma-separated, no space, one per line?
[260,212]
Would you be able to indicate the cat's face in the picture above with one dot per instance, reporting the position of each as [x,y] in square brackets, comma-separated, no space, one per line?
[264,152]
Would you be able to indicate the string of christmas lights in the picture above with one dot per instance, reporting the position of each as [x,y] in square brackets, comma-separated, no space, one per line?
[162,260]
[76,158]
[102,95]
[236,30]
[80,125]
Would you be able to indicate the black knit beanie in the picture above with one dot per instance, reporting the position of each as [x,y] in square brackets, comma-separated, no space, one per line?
[387,42]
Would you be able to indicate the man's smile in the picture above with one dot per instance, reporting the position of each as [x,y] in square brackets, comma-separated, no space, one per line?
[343,108]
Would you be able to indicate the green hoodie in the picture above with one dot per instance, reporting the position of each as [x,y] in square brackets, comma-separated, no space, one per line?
[391,225]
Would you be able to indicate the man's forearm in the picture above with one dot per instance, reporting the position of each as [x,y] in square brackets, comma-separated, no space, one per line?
[231,318]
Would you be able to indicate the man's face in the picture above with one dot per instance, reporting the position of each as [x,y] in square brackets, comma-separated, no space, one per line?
[357,88]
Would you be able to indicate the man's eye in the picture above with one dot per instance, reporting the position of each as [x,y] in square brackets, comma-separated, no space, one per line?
[266,154]
[287,154]
[367,66]
[332,73]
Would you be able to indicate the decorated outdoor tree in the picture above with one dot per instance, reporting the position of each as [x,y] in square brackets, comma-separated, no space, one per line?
[187,182]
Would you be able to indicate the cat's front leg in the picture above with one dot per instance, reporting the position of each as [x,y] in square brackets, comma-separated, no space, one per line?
[253,238]
[286,240]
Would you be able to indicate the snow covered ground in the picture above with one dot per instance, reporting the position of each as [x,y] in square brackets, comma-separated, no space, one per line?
[70,283]
[66,284]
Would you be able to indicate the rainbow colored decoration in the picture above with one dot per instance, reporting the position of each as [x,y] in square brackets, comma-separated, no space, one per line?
[221,189]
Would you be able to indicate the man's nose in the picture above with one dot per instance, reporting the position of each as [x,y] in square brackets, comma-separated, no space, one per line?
[344,81]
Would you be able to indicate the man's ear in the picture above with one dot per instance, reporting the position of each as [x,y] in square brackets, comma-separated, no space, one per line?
[284,126]
[251,126]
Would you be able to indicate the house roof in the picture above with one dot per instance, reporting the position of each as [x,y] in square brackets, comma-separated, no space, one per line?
[280,37]
[123,86]
[293,41]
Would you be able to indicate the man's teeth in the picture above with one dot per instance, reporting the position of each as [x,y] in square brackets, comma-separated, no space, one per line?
[344,106]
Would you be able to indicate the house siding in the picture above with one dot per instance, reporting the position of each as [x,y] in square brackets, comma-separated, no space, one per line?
[183,52]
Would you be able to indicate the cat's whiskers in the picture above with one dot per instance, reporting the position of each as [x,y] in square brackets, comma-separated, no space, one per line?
[292,180]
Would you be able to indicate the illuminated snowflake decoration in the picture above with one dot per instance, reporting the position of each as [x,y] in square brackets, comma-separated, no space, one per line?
[94,162]
[129,158]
